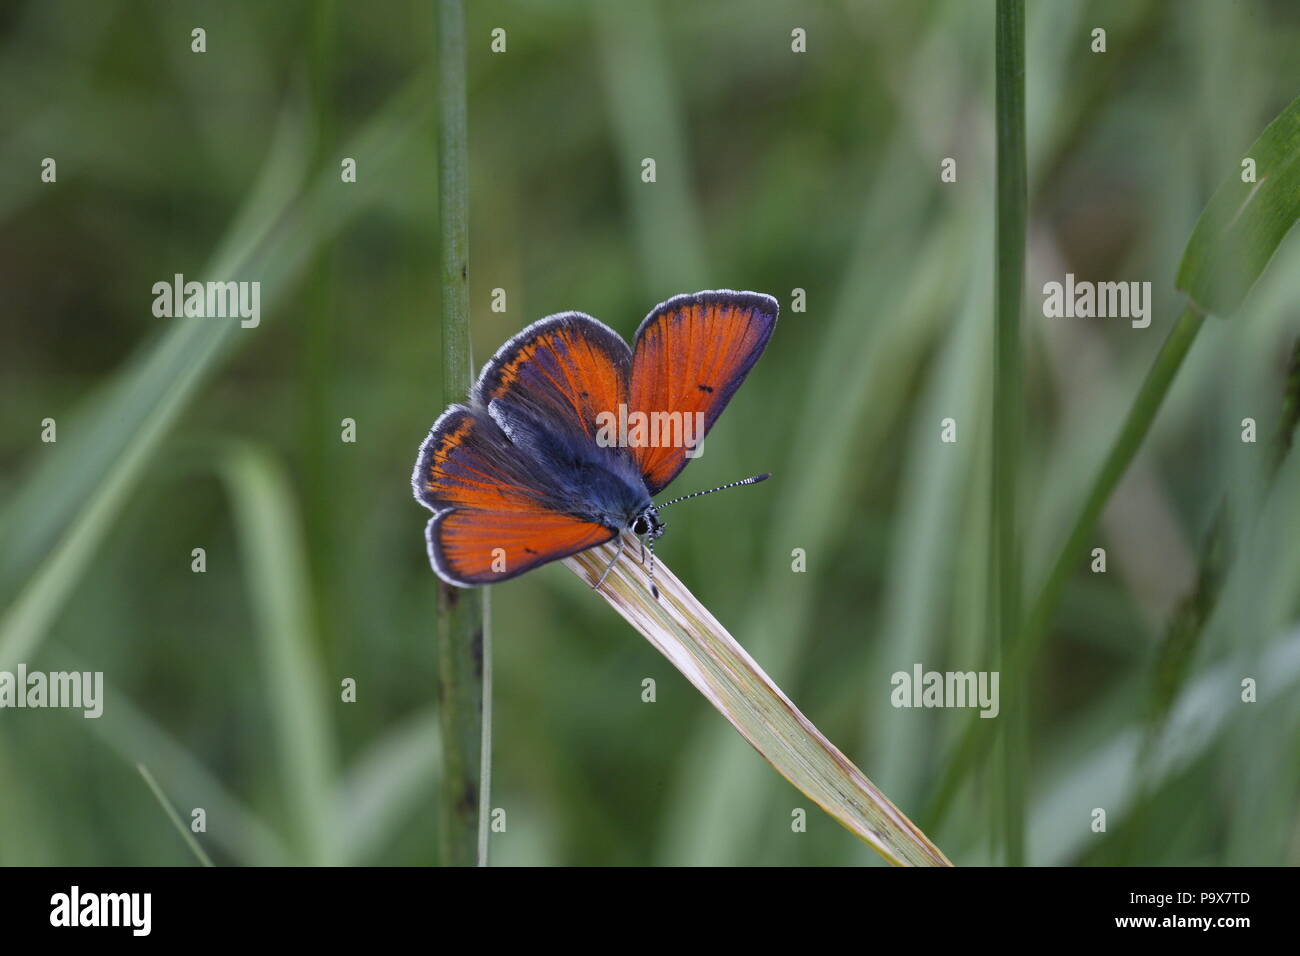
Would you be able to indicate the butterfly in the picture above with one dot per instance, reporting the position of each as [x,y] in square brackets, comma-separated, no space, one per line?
[568,434]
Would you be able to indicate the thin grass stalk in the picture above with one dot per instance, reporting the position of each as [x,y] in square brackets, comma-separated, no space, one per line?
[1012,199]
[683,630]
[463,649]
[173,816]
[319,446]
[129,732]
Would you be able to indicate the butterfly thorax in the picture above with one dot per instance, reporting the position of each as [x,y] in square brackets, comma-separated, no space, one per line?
[590,481]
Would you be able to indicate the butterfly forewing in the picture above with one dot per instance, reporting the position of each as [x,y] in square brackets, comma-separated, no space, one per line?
[565,370]
[691,355]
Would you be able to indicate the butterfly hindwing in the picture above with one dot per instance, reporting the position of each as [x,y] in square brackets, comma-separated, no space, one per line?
[498,513]
[483,547]
[692,353]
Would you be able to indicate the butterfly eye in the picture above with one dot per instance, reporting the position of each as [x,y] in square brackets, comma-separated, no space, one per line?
[641,525]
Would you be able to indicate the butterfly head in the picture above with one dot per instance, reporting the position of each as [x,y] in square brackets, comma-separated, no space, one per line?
[647,523]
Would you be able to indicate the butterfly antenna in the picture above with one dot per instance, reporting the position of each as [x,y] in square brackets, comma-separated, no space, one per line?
[751,480]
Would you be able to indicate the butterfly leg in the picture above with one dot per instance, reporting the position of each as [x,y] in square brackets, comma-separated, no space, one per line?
[609,567]
[653,590]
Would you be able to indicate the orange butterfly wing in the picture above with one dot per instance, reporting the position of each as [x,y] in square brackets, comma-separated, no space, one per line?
[497,515]
[483,547]
[692,353]
[564,370]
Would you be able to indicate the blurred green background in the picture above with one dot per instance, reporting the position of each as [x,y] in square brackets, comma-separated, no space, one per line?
[776,171]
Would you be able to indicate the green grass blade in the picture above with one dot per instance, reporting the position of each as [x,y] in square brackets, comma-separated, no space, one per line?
[1103,774]
[1004,570]
[937,489]
[383,788]
[1245,222]
[168,809]
[1182,636]
[276,569]
[646,111]
[1252,630]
